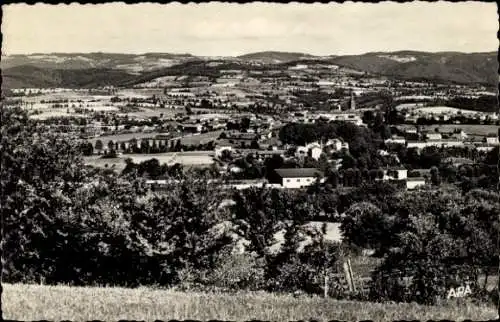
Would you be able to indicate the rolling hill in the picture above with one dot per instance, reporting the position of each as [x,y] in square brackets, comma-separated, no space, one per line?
[96,69]
[447,66]
[35,77]
[275,56]
[127,62]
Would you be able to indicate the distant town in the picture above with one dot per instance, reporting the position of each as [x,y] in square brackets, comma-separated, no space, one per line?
[251,111]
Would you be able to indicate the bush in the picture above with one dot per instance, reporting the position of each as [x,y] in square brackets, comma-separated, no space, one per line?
[238,272]
[423,281]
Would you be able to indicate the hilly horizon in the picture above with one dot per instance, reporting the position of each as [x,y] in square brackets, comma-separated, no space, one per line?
[58,69]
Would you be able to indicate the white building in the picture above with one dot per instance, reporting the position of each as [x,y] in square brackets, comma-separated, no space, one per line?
[294,178]
[437,143]
[493,140]
[342,117]
[434,136]
[396,140]
[395,174]
[412,183]
[313,150]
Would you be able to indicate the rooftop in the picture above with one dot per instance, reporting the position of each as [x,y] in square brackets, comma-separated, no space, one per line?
[415,179]
[299,172]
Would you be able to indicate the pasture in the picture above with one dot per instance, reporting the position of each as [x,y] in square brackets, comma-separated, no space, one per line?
[50,113]
[71,95]
[408,106]
[421,108]
[39,302]
[203,138]
[139,92]
[443,109]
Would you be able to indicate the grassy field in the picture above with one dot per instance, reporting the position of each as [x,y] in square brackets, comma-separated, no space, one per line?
[36,302]
[202,138]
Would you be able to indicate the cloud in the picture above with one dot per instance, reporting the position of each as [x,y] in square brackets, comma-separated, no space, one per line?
[220,29]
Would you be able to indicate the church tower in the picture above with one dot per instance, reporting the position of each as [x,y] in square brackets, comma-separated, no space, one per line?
[353,102]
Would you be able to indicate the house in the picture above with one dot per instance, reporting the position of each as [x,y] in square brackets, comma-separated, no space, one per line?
[492,140]
[414,182]
[434,136]
[313,150]
[396,140]
[239,139]
[298,177]
[336,145]
[437,143]
[266,135]
[395,173]
[245,184]
[192,128]
[341,117]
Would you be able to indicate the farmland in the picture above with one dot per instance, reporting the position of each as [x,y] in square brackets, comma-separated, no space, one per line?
[443,109]
[420,108]
[37,302]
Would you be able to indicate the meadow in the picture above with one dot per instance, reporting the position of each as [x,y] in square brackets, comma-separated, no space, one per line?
[37,302]
[443,109]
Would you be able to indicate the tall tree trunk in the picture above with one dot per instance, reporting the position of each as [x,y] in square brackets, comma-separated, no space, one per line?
[485,279]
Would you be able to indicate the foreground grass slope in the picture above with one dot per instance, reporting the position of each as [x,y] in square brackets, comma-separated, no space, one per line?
[36,302]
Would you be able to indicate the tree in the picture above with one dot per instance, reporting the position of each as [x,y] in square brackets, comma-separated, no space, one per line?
[440,234]
[226,156]
[178,146]
[99,146]
[257,217]
[364,225]
[187,223]
[87,149]
[244,124]
[150,167]
[39,177]
[111,146]
[123,146]
[435,178]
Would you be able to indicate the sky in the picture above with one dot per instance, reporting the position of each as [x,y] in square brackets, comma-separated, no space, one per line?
[222,29]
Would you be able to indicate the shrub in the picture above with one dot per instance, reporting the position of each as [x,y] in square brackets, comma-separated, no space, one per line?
[237,271]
